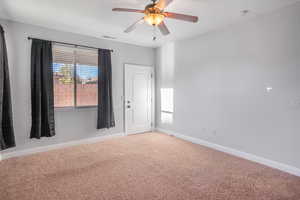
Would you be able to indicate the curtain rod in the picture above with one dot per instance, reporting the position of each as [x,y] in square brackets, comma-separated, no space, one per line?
[30,38]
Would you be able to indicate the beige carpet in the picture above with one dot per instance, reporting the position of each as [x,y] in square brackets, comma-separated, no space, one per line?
[142,167]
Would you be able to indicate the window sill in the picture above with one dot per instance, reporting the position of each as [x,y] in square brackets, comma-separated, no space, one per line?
[168,112]
[69,109]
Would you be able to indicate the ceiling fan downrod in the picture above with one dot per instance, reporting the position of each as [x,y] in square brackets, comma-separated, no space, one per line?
[154,34]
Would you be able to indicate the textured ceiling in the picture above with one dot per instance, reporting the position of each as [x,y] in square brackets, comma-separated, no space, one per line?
[95,18]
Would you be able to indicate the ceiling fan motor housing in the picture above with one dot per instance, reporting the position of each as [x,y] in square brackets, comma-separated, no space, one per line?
[154,16]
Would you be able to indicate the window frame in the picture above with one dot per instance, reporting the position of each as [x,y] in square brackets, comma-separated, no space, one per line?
[75,107]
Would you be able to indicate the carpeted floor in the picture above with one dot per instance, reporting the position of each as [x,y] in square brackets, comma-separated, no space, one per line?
[142,167]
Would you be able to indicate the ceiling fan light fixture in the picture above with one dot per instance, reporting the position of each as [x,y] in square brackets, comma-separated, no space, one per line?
[154,19]
[154,14]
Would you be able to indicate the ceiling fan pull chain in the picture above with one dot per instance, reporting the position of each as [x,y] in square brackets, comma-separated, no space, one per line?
[154,33]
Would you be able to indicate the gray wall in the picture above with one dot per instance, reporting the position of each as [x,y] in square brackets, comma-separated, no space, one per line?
[70,125]
[220,83]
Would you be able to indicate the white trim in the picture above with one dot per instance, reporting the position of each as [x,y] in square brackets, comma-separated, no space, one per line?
[58,146]
[270,163]
[141,131]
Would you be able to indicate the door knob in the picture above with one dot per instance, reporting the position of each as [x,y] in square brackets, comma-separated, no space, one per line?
[128,106]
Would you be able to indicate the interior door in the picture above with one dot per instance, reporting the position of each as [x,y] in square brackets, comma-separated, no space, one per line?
[138,98]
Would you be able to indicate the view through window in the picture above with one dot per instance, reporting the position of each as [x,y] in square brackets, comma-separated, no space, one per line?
[75,72]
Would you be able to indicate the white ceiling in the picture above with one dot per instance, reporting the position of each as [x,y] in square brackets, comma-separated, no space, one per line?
[95,18]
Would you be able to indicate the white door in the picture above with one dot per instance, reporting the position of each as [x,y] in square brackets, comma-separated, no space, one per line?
[138,98]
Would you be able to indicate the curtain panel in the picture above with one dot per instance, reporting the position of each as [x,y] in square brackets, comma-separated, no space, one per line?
[7,138]
[105,100]
[42,99]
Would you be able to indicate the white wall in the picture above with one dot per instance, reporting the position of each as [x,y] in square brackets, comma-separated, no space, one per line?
[70,125]
[220,83]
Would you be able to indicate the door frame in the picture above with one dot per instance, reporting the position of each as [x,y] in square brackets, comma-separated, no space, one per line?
[126,65]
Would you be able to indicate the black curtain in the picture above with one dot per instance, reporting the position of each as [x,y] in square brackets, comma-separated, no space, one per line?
[105,103]
[42,106]
[7,138]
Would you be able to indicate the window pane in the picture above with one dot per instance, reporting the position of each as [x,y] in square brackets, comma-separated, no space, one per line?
[63,77]
[85,92]
[167,100]
[166,118]
[87,85]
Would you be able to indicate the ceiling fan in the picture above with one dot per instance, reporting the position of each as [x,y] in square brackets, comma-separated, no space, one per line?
[155,15]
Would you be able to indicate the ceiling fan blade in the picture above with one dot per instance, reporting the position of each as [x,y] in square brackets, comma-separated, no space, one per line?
[188,18]
[163,28]
[127,10]
[162,4]
[133,26]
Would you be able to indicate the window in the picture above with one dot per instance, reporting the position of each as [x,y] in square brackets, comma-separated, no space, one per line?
[167,105]
[75,76]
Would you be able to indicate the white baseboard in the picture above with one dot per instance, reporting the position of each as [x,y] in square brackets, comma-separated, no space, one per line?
[57,146]
[270,163]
